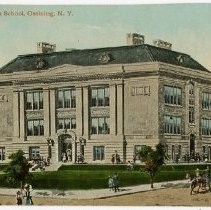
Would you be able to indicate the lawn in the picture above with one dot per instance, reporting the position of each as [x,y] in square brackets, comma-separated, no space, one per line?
[96,176]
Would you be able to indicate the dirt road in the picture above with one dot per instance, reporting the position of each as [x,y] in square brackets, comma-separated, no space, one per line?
[163,197]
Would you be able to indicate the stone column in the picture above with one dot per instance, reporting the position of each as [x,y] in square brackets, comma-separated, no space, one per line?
[53,112]
[120,110]
[86,111]
[22,116]
[79,112]
[113,110]
[16,115]
[46,107]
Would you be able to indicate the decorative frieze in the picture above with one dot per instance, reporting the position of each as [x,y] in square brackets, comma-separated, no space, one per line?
[140,91]
[100,112]
[35,114]
[66,113]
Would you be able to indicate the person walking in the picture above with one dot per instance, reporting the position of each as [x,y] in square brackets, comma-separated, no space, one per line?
[116,182]
[19,198]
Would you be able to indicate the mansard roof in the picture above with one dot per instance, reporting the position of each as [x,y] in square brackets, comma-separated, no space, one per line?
[101,56]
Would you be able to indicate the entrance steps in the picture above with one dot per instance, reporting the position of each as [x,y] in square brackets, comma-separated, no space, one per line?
[53,166]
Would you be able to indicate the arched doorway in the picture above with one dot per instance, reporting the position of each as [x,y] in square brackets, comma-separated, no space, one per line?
[66,146]
[192,144]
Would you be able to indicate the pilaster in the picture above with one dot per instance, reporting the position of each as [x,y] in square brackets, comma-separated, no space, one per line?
[16,115]
[22,116]
[53,112]
[46,106]
[113,109]
[86,111]
[79,111]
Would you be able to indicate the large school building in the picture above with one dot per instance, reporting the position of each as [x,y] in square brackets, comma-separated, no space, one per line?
[100,102]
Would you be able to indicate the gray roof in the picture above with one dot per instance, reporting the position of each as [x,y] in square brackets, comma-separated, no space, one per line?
[106,56]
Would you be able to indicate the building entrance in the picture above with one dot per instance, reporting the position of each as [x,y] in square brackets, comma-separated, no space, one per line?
[65,148]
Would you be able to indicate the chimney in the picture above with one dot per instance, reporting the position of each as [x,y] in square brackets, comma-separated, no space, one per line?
[162,44]
[44,47]
[135,39]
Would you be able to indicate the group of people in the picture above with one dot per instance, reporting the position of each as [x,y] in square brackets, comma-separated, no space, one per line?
[25,195]
[115,158]
[113,182]
[67,156]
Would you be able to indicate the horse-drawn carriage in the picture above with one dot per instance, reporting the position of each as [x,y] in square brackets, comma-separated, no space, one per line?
[198,183]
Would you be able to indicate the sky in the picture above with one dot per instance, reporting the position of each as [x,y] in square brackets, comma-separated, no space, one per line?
[186,26]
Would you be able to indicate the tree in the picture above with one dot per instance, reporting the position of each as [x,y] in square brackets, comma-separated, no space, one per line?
[153,160]
[17,171]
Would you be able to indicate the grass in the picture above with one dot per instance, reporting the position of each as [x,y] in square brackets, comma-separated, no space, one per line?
[96,176]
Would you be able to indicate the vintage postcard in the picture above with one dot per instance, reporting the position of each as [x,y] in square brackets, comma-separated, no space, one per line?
[105,104]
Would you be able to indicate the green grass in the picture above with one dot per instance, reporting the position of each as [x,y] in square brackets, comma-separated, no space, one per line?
[96,176]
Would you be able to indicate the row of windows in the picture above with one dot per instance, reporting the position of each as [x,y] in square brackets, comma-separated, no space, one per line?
[99,125]
[66,98]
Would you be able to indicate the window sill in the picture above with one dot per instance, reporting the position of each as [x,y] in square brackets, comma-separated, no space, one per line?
[173,105]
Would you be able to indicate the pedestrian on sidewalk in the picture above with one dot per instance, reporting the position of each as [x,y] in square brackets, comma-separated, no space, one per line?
[110,183]
[19,198]
[116,182]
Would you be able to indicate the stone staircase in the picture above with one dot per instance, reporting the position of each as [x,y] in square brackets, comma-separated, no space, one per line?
[53,166]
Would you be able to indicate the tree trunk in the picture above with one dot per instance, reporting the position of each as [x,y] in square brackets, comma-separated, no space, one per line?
[151,182]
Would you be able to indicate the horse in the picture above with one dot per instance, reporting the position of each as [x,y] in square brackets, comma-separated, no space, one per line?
[199,182]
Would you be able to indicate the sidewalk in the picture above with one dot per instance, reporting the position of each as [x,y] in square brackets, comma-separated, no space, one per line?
[95,193]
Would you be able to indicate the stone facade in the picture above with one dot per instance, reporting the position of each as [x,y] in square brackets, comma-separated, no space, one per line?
[136,111]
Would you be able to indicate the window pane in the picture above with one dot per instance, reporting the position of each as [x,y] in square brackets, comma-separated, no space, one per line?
[94,125]
[67,124]
[60,124]
[41,101]
[100,97]
[60,99]
[41,127]
[36,128]
[36,100]
[106,96]
[73,123]
[29,101]
[30,128]
[73,99]
[94,97]
[67,97]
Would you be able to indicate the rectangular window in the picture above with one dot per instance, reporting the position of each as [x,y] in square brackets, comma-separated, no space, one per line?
[34,152]
[206,126]
[35,128]
[172,124]
[100,125]
[34,100]
[206,101]
[100,96]
[66,98]
[2,153]
[66,123]
[173,95]
[98,153]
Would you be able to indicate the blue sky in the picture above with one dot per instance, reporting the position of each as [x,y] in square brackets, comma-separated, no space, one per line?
[186,26]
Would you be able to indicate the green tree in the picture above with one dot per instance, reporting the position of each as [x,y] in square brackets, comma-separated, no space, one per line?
[153,160]
[17,172]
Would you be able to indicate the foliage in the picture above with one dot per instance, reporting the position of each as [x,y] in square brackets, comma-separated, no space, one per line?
[153,159]
[17,172]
